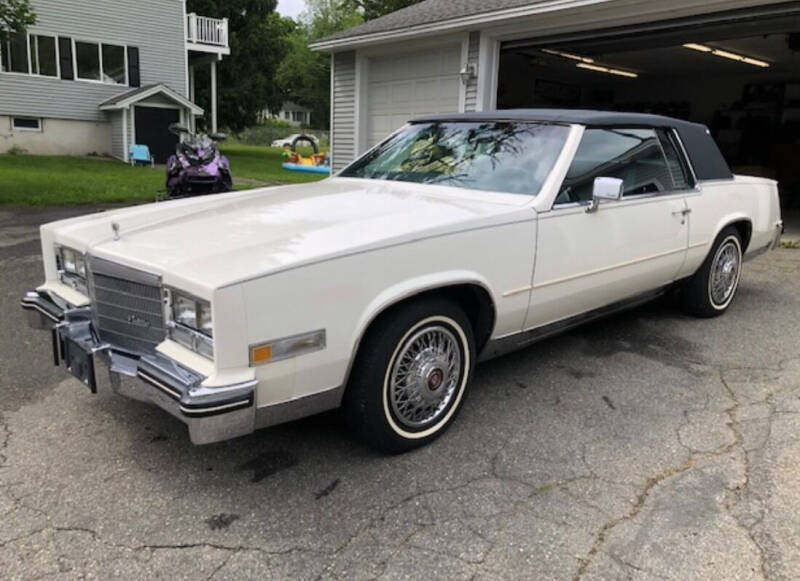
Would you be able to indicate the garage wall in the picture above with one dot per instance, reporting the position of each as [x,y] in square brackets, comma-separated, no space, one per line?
[471,90]
[343,109]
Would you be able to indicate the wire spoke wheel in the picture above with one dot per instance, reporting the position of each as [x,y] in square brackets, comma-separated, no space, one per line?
[425,377]
[724,273]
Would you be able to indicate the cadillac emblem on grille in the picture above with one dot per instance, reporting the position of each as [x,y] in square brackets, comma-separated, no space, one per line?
[138,321]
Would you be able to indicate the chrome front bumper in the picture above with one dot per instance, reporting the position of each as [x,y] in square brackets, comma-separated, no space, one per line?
[211,414]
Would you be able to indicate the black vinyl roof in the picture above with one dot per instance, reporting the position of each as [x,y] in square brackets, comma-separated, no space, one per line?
[704,154]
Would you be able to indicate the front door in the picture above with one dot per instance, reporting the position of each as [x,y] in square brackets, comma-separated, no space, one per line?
[152,129]
[587,260]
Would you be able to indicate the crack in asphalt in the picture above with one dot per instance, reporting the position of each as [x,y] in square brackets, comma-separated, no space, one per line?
[741,490]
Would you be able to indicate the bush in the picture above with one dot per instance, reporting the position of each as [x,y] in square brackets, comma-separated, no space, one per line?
[16,150]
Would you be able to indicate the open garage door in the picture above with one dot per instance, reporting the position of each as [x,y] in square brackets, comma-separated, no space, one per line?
[404,86]
[737,72]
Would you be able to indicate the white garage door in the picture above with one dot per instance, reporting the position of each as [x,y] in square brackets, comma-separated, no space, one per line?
[410,85]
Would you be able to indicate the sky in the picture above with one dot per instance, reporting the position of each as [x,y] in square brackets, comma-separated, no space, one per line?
[291,8]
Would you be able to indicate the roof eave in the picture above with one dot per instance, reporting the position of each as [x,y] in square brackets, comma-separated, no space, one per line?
[133,99]
[453,25]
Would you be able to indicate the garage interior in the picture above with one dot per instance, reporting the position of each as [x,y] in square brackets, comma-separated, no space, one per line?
[738,73]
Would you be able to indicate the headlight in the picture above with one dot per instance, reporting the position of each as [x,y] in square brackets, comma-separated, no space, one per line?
[71,268]
[190,323]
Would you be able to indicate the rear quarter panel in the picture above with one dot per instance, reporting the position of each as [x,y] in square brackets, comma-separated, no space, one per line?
[720,203]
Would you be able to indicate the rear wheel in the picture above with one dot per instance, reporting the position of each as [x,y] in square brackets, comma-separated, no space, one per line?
[713,287]
[411,375]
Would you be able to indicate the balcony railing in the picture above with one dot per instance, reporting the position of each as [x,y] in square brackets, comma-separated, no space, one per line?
[203,30]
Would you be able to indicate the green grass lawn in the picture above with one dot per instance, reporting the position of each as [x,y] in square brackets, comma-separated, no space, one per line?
[58,180]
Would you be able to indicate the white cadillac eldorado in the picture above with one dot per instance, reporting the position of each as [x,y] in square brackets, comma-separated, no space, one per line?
[458,238]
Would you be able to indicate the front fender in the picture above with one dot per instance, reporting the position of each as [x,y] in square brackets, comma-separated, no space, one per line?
[414,286]
[410,288]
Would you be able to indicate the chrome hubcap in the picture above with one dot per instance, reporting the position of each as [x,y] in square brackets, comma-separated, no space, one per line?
[425,377]
[724,273]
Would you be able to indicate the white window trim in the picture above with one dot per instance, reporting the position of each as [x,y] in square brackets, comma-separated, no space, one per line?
[31,37]
[99,44]
[38,129]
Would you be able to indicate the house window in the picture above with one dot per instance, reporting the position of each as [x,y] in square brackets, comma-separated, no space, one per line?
[26,124]
[15,53]
[114,64]
[43,55]
[87,58]
[100,62]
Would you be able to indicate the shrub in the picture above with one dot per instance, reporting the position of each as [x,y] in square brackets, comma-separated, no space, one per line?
[17,150]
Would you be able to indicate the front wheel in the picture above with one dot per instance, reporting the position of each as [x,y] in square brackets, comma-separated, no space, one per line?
[713,287]
[411,375]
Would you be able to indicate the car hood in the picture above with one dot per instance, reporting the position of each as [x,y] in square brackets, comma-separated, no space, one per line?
[215,241]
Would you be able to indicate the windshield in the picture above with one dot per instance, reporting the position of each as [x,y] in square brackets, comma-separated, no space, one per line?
[496,156]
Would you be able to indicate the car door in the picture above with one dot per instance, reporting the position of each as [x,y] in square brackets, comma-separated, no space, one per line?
[586,260]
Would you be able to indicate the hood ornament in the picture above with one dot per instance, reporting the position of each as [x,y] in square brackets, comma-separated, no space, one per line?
[115,228]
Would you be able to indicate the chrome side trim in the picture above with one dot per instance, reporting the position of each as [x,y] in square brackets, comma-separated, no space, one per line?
[607,268]
[508,343]
[517,291]
[299,408]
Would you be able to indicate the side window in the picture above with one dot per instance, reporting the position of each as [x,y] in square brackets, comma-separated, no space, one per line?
[679,171]
[633,155]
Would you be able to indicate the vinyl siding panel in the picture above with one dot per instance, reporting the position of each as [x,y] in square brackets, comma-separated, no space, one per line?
[155,26]
[471,90]
[117,148]
[343,113]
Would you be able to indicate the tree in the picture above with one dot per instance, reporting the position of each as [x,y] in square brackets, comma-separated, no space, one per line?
[15,16]
[246,78]
[304,75]
[372,9]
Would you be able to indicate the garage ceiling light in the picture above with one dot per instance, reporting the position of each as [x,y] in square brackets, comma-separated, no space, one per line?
[601,69]
[569,55]
[698,47]
[584,62]
[727,55]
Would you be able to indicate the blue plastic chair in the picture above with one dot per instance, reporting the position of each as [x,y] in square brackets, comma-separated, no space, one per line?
[140,154]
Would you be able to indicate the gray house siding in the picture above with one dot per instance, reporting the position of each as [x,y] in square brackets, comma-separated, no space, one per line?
[156,27]
[471,90]
[343,114]
[117,148]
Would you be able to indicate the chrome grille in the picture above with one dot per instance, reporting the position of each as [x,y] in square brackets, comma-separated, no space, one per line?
[127,305]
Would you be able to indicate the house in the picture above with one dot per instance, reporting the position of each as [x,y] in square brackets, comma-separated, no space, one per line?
[732,64]
[292,113]
[95,77]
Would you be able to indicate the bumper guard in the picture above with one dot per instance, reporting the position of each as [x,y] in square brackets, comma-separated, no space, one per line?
[212,414]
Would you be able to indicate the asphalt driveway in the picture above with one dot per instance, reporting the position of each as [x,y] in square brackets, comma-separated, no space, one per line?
[645,446]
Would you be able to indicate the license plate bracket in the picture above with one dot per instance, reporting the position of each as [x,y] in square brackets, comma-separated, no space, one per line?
[80,362]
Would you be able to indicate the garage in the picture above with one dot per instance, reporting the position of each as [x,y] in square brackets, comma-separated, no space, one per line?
[737,72]
[400,87]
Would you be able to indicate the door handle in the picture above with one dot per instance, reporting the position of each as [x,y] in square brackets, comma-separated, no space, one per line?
[682,213]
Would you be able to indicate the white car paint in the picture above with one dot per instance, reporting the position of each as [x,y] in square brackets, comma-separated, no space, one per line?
[277,262]
[289,140]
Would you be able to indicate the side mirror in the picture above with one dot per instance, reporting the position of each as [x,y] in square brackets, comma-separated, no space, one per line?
[177,129]
[605,188]
[218,136]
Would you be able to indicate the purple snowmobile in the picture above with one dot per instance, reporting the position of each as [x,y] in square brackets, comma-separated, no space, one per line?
[197,167]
